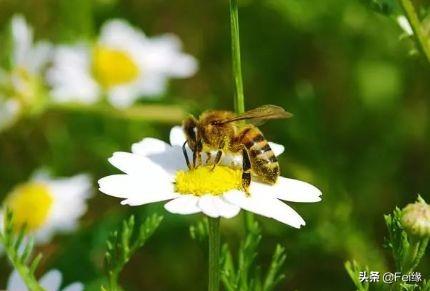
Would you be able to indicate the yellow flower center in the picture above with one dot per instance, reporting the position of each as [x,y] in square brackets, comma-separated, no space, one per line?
[204,180]
[30,204]
[113,67]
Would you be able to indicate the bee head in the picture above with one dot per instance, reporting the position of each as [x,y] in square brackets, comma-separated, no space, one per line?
[190,129]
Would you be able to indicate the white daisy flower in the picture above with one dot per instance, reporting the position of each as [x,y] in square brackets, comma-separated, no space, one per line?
[48,206]
[27,54]
[51,281]
[122,65]
[20,88]
[156,171]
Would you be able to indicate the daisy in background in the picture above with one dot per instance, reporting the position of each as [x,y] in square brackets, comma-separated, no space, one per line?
[156,171]
[21,86]
[51,281]
[122,65]
[47,206]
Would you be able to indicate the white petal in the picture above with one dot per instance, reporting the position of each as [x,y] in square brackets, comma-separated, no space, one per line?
[51,281]
[226,209]
[45,234]
[215,206]
[123,96]
[277,149]
[207,205]
[177,136]
[137,165]
[149,146]
[41,175]
[74,287]
[15,283]
[9,111]
[171,160]
[22,35]
[136,190]
[289,190]
[70,75]
[119,34]
[39,56]
[404,24]
[183,66]
[267,206]
[70,188]
[185,204]
[163,56]
[151,86]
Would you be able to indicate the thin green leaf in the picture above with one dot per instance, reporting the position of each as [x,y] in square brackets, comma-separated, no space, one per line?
[19,251]
[123,243]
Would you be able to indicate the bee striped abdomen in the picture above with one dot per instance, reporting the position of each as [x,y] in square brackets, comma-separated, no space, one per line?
[263,161]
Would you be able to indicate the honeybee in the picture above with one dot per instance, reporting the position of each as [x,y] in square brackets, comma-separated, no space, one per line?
[224,132]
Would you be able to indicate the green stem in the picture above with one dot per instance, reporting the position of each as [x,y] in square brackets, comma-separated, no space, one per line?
[22,270]
[415,253]
[18,258]
[113,281]
[239,101]
[214,253]
[421,39]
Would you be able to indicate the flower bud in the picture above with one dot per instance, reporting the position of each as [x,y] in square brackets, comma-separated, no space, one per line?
[416,219]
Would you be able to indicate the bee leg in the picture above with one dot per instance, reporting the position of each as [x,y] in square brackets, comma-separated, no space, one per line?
[184,151]
[195,159]
[209,157]
[246,171]
[199,159]
[218,155]
[197,155]
[217,159]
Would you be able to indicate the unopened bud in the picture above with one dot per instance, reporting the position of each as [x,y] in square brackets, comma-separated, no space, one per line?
[416,219]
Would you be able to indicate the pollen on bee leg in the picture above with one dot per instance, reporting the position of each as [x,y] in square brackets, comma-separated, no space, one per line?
[203,180]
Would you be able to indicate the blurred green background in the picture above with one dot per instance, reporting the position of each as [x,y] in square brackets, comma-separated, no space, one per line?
[360,132]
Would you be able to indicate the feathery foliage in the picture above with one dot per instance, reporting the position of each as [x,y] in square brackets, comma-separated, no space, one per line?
[354,269]
[123,243]
[199,230]
[19,250]
[407,252]
[245,274]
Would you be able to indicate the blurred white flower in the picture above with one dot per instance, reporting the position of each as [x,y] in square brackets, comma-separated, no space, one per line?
[51,281]
[48,206]
[122,65]
[26,54]
[156,171]
[20,87]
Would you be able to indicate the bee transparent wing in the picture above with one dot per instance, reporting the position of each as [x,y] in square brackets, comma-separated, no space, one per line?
[260,114]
